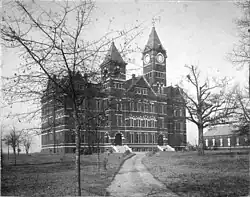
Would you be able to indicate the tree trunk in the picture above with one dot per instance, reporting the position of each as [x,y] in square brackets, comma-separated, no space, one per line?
[14,151]
[8,152]
[200,143]
[77,154]
[18,148]
[27,151]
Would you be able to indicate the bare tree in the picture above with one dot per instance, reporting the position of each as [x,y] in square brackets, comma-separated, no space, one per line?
[26,141]
[209,104]
[242,114]
[14,139]
[52,45]
[241,56]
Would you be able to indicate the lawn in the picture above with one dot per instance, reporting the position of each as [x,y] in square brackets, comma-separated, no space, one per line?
[218,173]
[53,175]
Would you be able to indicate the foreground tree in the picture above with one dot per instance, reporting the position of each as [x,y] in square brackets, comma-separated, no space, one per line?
[51,38]
[209,105]
[240,56]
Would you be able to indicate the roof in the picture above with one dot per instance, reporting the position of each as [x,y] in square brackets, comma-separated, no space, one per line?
[220,130]
[153,41]
[113,54]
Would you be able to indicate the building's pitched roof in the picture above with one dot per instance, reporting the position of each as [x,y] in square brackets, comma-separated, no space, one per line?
[219,130]
[139,81]
[153,41]
[113,54]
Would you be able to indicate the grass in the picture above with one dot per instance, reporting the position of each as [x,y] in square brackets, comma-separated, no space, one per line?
[218,173]
[53,175]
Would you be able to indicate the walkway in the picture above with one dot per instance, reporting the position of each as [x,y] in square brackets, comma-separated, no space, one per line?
[134,180]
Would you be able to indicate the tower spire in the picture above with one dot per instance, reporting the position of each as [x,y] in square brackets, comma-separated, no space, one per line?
[154,42]
[113,54]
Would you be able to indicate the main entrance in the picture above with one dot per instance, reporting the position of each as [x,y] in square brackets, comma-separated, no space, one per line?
[160,140]
[118,139]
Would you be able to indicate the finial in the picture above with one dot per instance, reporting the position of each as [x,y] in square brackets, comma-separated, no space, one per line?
[154,20]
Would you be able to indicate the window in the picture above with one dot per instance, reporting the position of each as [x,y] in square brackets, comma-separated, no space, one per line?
[146,137]
[50,136]
[142,123]
[153,138]
[182,126]
[229,141]
[131,138]
[136,138]
[213,140]
[161,122]
[139,136]
[145,91]
[181,112]
[221,142]
[98,105]
[206,142]
[131,122]
[146,107]
[135,123]
[139,122]
[117,85]
[237,141]
[153,107]
[119,120]
[132,106]
[149,123]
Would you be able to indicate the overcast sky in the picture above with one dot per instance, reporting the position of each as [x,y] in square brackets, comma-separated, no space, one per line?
[197,32]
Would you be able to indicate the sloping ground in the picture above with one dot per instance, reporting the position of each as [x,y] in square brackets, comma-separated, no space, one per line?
[33,177]
[221,174]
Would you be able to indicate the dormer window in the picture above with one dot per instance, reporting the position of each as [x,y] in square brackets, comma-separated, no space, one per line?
[118,85]
[143,91]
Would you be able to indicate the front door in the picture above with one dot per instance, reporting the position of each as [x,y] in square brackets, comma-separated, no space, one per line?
[160,140]
[118,139]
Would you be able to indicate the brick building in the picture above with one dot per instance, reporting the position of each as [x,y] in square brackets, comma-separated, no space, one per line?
[145,112]
[221,137]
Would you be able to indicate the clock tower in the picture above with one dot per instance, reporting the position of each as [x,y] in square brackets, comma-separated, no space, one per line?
[154,61]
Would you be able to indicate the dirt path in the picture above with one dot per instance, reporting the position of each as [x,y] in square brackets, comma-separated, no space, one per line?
[134,180]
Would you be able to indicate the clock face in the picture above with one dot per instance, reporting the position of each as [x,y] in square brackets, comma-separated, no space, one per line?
[160,58]
[146,59]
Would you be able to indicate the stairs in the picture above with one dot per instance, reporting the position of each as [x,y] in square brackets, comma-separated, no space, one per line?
[121,149]
[127,148]
[165,148]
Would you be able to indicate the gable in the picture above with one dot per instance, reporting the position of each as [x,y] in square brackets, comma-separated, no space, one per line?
[142,83]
